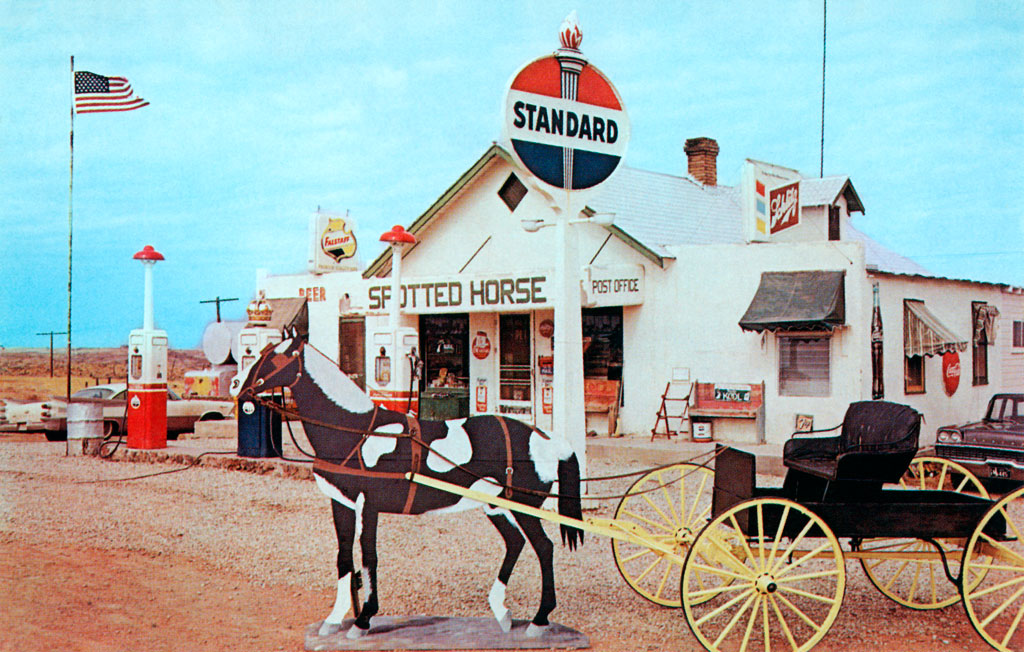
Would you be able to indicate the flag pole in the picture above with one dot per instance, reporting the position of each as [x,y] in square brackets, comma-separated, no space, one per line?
[71,181]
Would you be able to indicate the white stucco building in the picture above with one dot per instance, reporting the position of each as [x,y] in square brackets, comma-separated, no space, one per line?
[663,292]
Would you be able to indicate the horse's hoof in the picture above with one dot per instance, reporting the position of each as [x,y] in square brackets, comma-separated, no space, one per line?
[536,631]
[505,622]
[327,629]
[355,632]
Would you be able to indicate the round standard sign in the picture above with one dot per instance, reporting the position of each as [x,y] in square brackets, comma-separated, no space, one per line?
[566,123]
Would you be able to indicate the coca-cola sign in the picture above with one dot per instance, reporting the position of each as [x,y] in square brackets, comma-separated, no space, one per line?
[951,371]
[784,207]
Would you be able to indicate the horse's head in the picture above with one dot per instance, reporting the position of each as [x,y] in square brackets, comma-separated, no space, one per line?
[279,365]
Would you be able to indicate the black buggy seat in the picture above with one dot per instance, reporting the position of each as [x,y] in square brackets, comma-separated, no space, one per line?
[877,441]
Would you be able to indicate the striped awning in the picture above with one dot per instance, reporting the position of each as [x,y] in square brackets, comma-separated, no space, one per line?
[924,334]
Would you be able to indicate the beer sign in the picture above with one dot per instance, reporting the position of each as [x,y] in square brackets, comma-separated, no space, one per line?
[783,207]
[332,245]
[770,199]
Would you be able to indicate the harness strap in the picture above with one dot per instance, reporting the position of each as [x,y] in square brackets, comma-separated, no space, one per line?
[415,458]
[508,457]
[415,462]
[320,464]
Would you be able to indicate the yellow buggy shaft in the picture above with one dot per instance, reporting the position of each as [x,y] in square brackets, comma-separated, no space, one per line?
[603,526]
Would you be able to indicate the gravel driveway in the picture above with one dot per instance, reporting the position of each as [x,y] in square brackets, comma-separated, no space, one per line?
[250,535]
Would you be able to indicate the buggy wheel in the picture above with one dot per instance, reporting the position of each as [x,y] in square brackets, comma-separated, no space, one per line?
[995,605]
[766,574]
[914,577]
[669,505]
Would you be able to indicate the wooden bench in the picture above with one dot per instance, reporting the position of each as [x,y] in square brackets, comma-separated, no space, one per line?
[602,397]
[729,400]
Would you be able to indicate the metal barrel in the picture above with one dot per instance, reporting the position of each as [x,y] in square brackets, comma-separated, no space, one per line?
[85,420]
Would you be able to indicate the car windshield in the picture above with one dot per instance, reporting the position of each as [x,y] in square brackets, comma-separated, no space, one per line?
[1006,408]
[94,392]
[171,396]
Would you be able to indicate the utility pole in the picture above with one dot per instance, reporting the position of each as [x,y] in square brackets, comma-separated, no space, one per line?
[218,301]
[51,334]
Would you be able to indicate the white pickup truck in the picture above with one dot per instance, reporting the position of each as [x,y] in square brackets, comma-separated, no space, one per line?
[50,416]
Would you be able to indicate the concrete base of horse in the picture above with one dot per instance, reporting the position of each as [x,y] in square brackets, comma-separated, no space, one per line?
[442,633]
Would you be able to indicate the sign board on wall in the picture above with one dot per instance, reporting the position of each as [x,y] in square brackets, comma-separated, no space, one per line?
[771,199]
[332,243]
[613,285]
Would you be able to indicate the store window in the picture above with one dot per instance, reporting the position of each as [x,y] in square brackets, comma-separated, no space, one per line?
[512,192]
[804,366]
[445,343]
[514,348]
[833,223]
[913,374]
[602,343]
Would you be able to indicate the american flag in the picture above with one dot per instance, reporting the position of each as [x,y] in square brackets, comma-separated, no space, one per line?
[98,94]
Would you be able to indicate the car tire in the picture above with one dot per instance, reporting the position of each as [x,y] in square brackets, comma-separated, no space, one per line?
[56,435]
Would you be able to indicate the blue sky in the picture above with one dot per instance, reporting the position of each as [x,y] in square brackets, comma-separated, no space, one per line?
[262,111]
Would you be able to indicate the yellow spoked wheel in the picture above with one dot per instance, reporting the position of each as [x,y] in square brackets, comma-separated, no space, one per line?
[667,505]
[995,605]
[911,574]
[768,574]
[937,473]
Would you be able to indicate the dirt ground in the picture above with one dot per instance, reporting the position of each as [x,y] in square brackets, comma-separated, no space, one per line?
[69,581]
[84,599]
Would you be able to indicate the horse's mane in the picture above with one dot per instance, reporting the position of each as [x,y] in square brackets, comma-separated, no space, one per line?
[333,382]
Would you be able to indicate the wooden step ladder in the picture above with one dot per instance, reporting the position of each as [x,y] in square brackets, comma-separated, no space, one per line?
[675,404]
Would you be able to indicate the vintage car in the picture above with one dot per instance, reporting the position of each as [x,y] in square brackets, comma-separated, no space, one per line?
[992,447]
[50,416]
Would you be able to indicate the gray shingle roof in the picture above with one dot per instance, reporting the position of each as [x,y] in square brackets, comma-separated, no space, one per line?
[660,210]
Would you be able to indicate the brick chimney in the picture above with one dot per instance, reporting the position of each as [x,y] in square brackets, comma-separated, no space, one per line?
[702,160]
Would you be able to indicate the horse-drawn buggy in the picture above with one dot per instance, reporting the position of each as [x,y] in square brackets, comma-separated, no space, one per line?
[753,568]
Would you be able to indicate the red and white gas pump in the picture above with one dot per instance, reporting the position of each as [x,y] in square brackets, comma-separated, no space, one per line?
[147,370]
[392,352]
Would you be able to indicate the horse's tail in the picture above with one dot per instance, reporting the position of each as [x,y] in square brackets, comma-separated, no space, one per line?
[569,499]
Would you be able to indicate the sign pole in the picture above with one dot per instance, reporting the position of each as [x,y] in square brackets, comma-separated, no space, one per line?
[569,418]
[566,124]
[71,181]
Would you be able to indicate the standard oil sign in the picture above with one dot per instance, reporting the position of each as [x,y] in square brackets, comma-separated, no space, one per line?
[564,119]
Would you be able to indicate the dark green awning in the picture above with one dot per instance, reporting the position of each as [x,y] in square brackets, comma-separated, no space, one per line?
[797,301]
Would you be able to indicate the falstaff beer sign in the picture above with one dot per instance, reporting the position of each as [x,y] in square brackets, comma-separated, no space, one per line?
[337,240]
[332,243]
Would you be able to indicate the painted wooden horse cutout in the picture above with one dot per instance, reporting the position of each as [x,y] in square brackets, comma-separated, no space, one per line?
[363,453]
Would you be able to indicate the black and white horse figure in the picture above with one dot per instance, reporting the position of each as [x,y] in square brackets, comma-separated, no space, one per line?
[362,455]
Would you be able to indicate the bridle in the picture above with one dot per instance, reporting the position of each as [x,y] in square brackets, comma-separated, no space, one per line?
[278,362]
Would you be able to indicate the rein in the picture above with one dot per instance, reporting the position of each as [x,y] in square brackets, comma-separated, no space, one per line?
[331,465]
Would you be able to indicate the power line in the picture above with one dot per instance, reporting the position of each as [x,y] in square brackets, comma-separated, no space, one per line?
[218,301]
[51,334]
[824,40]
[972,253]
